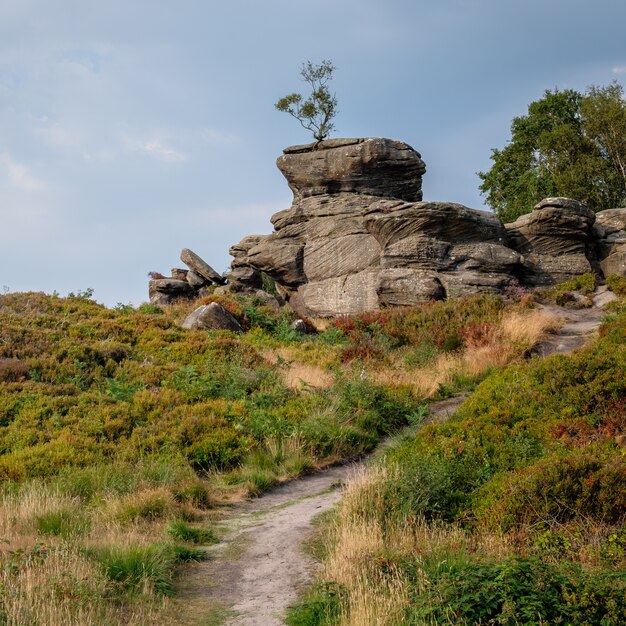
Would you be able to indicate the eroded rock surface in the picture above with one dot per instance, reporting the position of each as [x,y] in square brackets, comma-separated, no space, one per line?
[358,236]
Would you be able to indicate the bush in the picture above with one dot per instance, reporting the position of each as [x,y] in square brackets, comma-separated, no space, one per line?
[521,591]
[219,449]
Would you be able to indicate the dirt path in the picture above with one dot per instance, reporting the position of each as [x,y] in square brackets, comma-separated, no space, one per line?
[256,572]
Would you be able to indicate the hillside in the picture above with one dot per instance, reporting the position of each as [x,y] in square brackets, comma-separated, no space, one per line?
[123,436]
[511,511]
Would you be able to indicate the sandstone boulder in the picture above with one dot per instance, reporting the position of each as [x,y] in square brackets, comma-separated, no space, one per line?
[555,239]
[212,316]
[610,235]
[171,287]
[374,166]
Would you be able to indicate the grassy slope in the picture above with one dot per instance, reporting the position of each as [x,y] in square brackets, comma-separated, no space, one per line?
[512,512]
[120,432]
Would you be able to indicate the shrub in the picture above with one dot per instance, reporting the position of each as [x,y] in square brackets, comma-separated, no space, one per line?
[521,591]
[219,449]
[13,370]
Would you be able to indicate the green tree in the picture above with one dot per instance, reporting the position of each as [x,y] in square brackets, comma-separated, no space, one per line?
[318,110]
[569,144]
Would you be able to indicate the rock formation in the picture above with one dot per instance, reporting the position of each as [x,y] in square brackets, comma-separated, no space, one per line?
[358,237]
[184,284]
[610,238]
[556,241]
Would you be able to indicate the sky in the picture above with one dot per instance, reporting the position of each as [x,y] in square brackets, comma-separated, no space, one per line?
[130,129]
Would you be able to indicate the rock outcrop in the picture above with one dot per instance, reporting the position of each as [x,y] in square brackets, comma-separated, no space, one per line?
[184,284]
[212,316]
[358,237]
[610,237]
[556,241]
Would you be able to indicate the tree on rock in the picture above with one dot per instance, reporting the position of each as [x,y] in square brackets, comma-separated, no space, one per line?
[569,144]
[318,110]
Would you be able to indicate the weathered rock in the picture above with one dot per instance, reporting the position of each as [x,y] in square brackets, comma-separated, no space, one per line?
[179,274]
[212,316]
[171,287]
[610,236]
[244,278]
[613,218]
[200,267]
[449,222]
[418,251]
[358,237]
[195,280]
[555,239]
[299,326]
[327,256]
[375,166]
[614,264]
[282,260]
[339,295]
[471,282]
[404,287]
[483,257]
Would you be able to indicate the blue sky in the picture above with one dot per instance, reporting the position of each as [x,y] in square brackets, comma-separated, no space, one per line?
[132,129]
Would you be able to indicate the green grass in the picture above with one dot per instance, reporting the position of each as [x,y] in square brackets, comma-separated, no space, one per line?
[181,531]
[527,480]
[137,568]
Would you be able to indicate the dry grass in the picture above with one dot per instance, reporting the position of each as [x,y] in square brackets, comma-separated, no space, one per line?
[59,587]
[509,341]
[358,542]
[296,373]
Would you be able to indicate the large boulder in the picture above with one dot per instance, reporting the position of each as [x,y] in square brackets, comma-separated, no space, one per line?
[212,316]
[555,239]
[374,166]
[168,290]
[200,267]
[610,236]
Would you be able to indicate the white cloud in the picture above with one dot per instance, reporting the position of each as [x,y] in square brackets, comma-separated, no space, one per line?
[156,149]
[19,175]
[619,69]
[217,137]
[60,137]
[99,156]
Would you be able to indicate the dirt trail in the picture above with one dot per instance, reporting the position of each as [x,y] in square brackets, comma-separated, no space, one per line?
[256,572]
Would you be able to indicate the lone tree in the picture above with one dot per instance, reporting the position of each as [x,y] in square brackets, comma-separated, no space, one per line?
[318,110]
[569,144]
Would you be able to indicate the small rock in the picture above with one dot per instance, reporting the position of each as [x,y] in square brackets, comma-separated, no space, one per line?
[179,274]
[603,297]
[299,326]
[212,317]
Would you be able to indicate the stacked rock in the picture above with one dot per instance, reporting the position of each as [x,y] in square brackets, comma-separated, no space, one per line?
[184,284]
[358,237]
